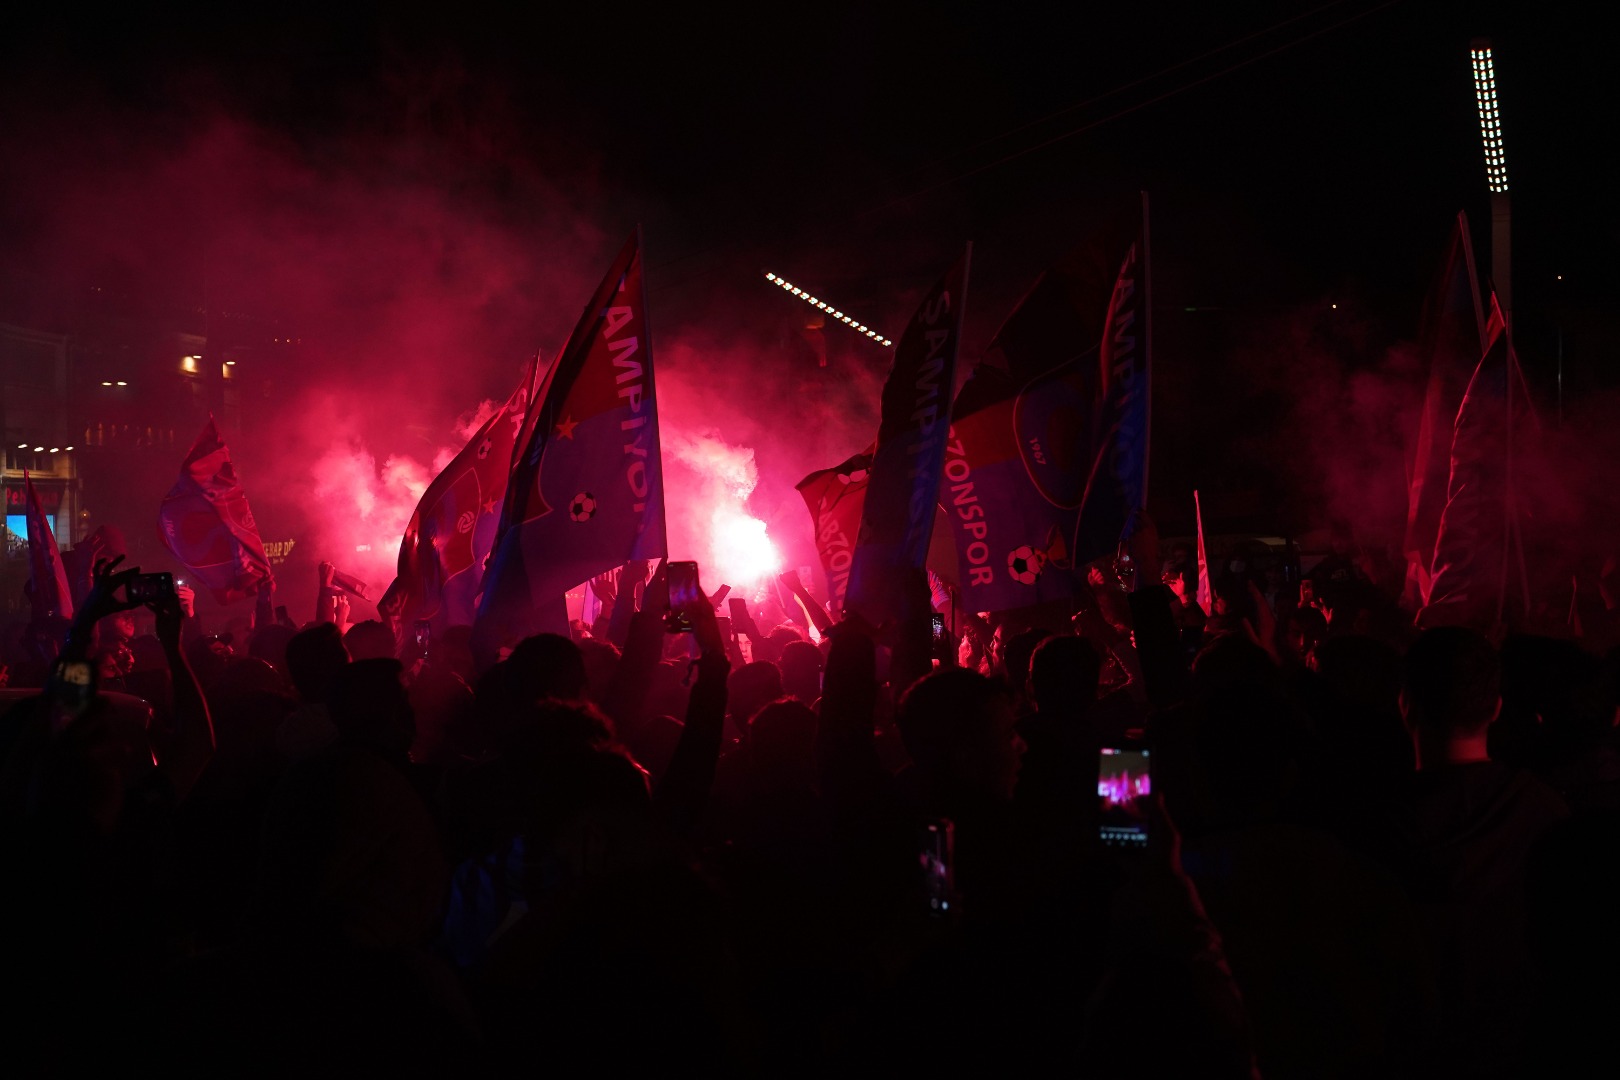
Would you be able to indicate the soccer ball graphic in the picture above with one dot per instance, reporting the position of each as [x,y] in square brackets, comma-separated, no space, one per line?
[583,507]
[1025,564]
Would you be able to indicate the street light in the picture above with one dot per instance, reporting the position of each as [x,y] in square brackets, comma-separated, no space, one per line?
[1490,131]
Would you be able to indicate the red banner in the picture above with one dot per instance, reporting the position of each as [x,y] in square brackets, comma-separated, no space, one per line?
[205,521]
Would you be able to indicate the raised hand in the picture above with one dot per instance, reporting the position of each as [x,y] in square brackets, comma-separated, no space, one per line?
[105,581]
[606,586]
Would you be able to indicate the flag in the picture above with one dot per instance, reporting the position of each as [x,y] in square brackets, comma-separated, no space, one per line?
[452,531]
[206,523]
[1206,588]
[897,519]
[1477,547]
[51,594]
[1116,485]
[1453,340]
[835,498]
[587,493]
[1019,448]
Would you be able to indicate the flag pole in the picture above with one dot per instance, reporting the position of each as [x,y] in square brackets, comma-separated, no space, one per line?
[1147,351]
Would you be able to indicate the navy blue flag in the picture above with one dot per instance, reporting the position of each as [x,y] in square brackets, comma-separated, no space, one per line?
[1020,446]
[587,494]
[897,519]
[1117,482]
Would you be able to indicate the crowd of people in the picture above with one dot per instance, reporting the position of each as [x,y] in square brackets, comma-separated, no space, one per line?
[808,848]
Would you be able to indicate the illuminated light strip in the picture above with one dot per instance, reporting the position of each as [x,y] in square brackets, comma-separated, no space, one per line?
[822,305]
[1490,120]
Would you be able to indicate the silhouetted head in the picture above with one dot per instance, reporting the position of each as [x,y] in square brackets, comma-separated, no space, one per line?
[801,670]
[370,640]
[369,706]
[1016,654]
[752,687]
[782,741]
[548,666]
[1451,682]
[1063,674]
[269,643]
[601,661]
[957,726]
[314,659]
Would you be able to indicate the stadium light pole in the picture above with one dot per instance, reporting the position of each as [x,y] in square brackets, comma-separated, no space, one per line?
[1496,177]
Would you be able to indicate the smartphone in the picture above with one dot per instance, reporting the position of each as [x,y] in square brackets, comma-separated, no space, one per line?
[936,858]
[684,596]
[148,588]
[939,628]
[1124,778]
[739,611]
[725,627]
[424,631]
[725,591]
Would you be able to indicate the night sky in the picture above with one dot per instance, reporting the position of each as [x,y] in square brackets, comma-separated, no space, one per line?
[1298,156]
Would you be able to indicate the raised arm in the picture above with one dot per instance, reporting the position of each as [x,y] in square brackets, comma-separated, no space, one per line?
[184,744]
[812,607]
[642,645]
[683,792]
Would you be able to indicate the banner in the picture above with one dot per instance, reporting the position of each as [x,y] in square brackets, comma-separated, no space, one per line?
[1015,468]
[897,522]
[206,523]
[835,498]
[51,595]
[452,531]
[1453,341]
[1477,548]
[587,493]
[1117,482]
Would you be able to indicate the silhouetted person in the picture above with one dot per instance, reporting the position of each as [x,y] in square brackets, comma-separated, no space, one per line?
[1471,824]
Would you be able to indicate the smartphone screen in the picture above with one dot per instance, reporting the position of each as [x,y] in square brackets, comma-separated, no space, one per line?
[938,842]
[146,588]
[939,627]
[684,595]
[1123,777]
[424,630]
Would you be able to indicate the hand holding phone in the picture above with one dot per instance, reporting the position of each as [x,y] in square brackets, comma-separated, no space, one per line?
[150,588]
[684,596]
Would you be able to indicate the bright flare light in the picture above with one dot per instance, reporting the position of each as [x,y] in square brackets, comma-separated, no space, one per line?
[743,553]
[1490,119]
[822,305]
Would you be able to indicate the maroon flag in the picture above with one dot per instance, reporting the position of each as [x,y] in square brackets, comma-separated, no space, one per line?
[1453,339]
[206,523]
[1477,549]
[834,498]
[441,556]
[51,594]
[587,493]
[897,522]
